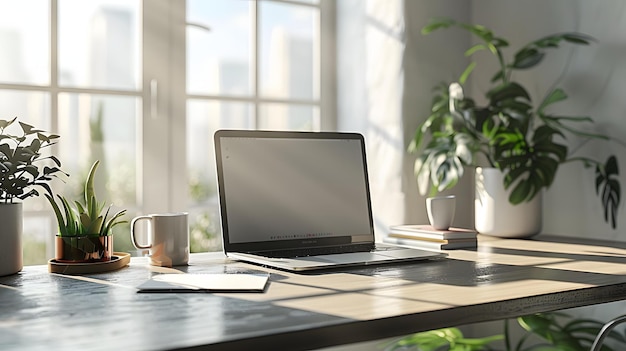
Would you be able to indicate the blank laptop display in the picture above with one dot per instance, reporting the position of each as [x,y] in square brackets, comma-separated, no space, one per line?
[298,200]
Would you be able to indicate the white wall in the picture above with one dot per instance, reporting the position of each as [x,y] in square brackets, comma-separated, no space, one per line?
[384,85]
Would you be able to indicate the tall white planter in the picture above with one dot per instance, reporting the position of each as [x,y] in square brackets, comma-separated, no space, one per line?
[494,215]
[10,238]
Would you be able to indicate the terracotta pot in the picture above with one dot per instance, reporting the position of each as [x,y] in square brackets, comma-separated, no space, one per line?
[83,249]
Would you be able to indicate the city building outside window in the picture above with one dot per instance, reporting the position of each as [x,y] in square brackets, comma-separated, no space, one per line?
[142,86]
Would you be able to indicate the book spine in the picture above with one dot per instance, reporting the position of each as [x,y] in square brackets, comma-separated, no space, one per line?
[435,240]
[419,235]
[429,245]
[425,232]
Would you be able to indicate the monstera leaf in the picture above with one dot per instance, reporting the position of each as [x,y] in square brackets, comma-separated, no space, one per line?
[529,167]
[608,187]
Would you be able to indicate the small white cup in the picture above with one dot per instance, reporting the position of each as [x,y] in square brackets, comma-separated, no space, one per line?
[168,238]
[440,211]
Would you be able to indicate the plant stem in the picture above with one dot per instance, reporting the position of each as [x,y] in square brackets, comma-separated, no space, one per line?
[507,337]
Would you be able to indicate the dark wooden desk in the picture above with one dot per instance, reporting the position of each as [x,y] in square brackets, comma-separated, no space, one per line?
[503,278]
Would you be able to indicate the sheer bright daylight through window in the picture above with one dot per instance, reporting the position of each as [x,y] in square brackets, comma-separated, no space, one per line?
[143,85]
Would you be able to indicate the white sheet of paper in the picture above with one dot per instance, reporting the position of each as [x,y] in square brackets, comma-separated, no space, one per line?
[207,282]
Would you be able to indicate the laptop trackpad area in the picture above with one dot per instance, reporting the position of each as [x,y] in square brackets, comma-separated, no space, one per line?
[400,254]
[353,257]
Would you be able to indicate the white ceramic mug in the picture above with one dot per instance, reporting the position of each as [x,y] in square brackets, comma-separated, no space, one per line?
[440,211]
[168,238]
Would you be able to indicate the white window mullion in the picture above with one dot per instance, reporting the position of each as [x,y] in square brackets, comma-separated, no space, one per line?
[178,182]
[328,65]
[254,8]
[156,140]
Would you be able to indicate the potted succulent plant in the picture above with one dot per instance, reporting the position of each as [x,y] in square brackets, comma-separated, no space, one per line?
[23,168]
[85,228]
[518,140]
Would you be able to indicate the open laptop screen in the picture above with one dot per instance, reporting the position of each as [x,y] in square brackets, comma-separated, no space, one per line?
[281,190]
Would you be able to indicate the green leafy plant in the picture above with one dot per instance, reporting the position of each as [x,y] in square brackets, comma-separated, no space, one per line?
[523,140]
[451,339]
[22,165]
[555,332]
[88,218]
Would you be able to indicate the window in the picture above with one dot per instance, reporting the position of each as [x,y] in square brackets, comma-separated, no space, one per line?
[142,86]
[250,64]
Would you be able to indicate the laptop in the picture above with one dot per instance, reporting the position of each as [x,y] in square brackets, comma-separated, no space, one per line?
[299,201]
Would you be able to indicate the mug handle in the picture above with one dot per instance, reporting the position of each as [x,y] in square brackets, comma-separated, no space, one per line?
[132,232]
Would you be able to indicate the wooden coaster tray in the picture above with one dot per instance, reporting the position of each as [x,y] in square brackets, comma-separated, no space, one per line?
[119,260]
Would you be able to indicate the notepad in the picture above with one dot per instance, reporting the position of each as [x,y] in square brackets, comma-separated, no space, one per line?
[222,282]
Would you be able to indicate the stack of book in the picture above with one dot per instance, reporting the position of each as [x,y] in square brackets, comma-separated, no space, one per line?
[426,237]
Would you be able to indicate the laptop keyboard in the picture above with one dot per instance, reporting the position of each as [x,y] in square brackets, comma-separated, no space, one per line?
[326,251]
[316,251]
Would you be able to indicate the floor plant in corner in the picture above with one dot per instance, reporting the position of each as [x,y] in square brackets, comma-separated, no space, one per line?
[23,168]
[554,331]
[84,228]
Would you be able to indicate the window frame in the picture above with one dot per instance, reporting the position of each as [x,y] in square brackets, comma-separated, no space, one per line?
[162,91]
[325,102]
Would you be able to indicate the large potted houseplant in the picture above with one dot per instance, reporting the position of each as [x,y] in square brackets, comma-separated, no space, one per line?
[543,331]
[517,141]
[84,228]
[23,168]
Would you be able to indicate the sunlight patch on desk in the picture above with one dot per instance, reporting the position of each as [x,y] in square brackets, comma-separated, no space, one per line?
[346,281]
[501,258]
[299,286]
[555,247]
[611,268]
[360,306]
[535,253]
[468,295]
[281,291]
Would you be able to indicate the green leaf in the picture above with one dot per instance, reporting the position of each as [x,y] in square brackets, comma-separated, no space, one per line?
[32,170]
[6,123]
[437,24]
[535,322]
[70,216]
[90,193]
[85,221]
[113,221]
[509,90]
[468,70]
[527,58]
[449,173]
[578,38]
[96,226]
[555,95]
[607,180]
[59,216]
[498,76]
[521,192]
[474,49]
[28,129]
[56,161]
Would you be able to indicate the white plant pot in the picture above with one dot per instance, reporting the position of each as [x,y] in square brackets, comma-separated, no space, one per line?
[494,215]
[10,238]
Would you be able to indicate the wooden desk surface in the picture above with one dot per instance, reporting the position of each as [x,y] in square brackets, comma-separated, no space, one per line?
[503,278]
